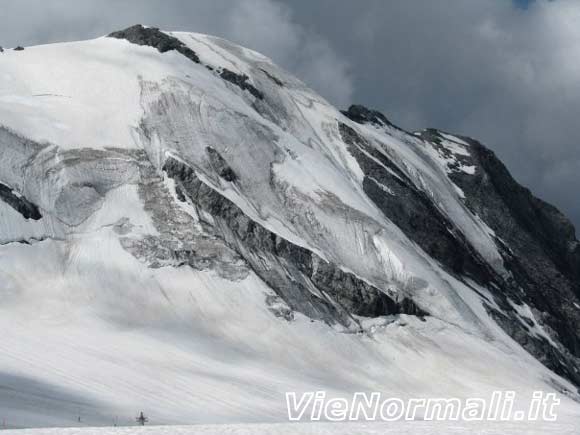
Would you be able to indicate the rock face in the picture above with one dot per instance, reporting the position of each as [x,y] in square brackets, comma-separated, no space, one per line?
[537,242]
[410,208]
[543,252]
[539,247]
[241,81]
[307,283]
[204,163]
[155,38]
[27,209]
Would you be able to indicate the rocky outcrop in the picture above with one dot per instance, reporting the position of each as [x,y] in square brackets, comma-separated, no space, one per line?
[220,165]
[272,77]
[542,251]
[307,283]
[410,208]
[362,114]
[536,241]
[153,37]
[26,208]
[550,229]
[179,241]
[241,81]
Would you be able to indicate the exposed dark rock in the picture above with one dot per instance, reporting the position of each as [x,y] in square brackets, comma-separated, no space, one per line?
[455,161]
[26,208]
[307,283]
[19,48]
[556,359]
[543,252]
[361,115]
[539,249]
[1,49]
[220,165]
[536,241]
[545,223]
[431,135]
[412,211]
[177,242]
[154,37]
[273,78]
[241,81]
[279,308]
[356,295]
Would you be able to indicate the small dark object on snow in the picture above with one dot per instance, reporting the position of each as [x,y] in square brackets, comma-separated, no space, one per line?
[141,419]
[1,49]
[19,48]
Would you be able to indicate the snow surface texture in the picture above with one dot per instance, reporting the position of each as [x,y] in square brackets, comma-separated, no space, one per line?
[128,294]
[394,428]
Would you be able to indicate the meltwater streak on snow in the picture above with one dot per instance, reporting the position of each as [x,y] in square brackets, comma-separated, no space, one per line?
[106,336]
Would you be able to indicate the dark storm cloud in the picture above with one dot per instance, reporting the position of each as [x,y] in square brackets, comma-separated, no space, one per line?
[506,74]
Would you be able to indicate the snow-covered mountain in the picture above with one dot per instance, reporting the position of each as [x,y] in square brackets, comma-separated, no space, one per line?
[189,230]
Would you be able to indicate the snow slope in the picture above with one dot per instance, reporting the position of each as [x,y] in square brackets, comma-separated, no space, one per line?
[398,428]
[132,293]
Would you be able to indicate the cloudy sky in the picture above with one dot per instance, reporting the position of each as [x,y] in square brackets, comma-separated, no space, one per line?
[505,72]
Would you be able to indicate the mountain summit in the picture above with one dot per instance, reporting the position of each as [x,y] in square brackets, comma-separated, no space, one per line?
[190,230]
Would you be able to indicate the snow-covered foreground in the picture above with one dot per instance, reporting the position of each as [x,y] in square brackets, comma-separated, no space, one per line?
[115,338]
[395,428]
